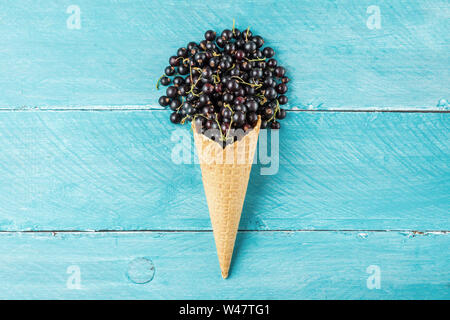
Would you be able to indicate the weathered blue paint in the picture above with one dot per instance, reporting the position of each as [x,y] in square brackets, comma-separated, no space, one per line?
[266,265]
[113,170]
[333,58]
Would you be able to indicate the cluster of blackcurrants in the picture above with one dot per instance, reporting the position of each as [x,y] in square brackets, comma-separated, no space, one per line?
[224,83]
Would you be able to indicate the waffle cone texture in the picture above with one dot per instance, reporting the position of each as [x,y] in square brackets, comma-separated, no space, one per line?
[225,175]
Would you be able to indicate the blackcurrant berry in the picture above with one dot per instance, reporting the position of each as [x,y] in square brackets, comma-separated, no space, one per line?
[223,65]
[210,46]
[210,35]
[191,45]
[263,124]
[220,42]
[269,82]
[240,54]
[189,109]
[165,81]
[272,63]
[252,118]
[250,46]
[227,65]
[199,122]
[246,66]
[256,73]
[227,97]
[279,72]
[252,105]
[232,85]
[175,117]
[207,72]
[200,58]
[240,92]
[268,113]
[239,119]
[268,52]
[236,33]
[250,90]
[282,100]
[164,101]
[174,104]
[275,125]
[169,71]
[183,90]
[208,88]
[207,110]
[208,124]
[190,97]
[194,51]
[203,99]
[182,52]
[218,88]
[281,88]
[240,107]
[227,34]
[258,54]
[183,70]
[212,116]
[240,43]
[239,100]
[171,92]
[258,40]
[268,73]
[224,127]
[226,113]
[214,62]
[214,125]
[230,47]
[270,93]
[281,114]
[178,81]
[174,61]
[247,34]
[202,44]
[235,72]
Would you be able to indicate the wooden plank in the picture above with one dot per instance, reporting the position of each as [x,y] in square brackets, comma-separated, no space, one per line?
[113,170]
[266,265]
[334,59]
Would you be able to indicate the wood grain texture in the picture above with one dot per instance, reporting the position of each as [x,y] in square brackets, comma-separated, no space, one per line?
[335,61]
[267,265]
[113,170]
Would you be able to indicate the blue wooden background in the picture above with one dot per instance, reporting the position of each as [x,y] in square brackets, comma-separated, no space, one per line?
[92,206]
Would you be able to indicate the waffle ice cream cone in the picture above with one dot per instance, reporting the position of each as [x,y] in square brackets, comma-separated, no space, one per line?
[225,175]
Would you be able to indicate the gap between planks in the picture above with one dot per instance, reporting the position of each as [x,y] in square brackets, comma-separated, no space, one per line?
[151,109]
[410,231]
